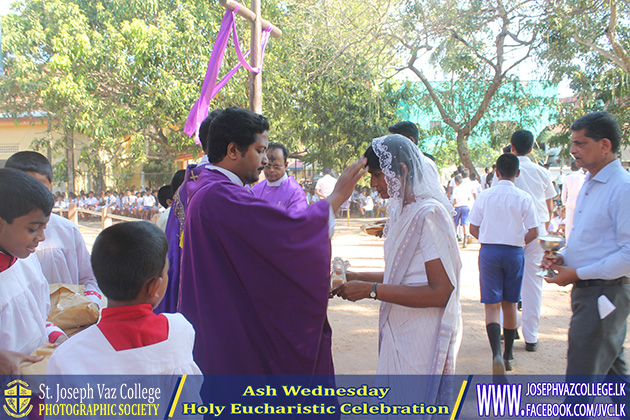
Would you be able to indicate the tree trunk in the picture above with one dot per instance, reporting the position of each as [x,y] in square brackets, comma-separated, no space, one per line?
[462,150]
[70,159]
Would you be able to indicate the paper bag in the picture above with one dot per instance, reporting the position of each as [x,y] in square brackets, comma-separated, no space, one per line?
[38,368]
[69,308]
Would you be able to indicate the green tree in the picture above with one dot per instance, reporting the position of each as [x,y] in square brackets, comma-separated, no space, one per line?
[588,42]
[325,82]
[475,48]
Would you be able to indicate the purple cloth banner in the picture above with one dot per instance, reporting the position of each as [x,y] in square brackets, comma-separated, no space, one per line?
[210,87]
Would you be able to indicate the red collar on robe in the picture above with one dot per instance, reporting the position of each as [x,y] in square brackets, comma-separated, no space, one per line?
[6,261]
[130,327]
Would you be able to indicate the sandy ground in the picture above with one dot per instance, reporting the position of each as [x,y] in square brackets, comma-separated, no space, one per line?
[355,325]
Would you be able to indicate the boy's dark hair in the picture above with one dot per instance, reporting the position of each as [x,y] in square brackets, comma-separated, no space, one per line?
[458,179]
[234,125]
[165,193]
[507,165]
[127,255]
[473,176]
[20,194]
[405,128]
[465,173]
[276,145]
[29,161]
[522,141]
[600,125]
[177,180]
[204,128]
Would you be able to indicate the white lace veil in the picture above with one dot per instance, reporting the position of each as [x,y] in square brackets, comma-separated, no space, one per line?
[394,149]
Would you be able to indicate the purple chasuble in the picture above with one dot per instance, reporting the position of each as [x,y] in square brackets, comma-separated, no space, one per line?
[255,282]
[174,231]
[288,194]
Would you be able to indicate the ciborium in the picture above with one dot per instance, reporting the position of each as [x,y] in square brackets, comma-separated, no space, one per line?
[551,244]
[338,272]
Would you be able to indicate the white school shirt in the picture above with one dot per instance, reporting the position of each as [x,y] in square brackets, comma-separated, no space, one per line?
[326,185]
[90,353]
[148,200]
[462,194]
[65,259]
[504,214]
[24,306]
[535,180]
[571,186]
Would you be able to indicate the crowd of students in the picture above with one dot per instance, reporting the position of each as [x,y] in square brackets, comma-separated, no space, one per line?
[140,204]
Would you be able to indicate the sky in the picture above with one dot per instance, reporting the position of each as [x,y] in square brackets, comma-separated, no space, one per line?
[4,6]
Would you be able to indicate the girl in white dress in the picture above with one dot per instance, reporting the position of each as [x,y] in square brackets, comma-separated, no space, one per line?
[420,314]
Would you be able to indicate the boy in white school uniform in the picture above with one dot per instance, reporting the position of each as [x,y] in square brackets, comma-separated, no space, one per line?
[63,255]
[504,220]
[130,265]
[25,207]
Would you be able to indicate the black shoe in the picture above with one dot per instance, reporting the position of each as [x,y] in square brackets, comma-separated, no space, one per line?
[531,347]
[498,365]
[509,364]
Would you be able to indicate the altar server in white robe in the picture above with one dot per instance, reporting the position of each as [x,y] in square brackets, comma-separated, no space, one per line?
[25,207]
[130,265]
[63,255]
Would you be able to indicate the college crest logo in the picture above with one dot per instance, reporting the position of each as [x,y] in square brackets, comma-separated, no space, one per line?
[17,397]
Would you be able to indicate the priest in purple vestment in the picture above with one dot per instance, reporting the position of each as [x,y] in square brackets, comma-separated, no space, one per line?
[279,188]
[255,278]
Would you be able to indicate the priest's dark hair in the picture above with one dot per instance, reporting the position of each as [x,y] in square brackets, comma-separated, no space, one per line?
[204,129]
[127,255]
[600,125]
[20,194]
[234,125]
[522,141]
[29,161]
[507,165]
[275,145]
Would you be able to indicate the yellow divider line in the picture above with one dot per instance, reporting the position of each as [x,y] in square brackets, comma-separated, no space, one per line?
[459,400]
[179,391]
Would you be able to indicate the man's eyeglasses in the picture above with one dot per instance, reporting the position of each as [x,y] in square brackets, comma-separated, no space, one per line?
[274,167]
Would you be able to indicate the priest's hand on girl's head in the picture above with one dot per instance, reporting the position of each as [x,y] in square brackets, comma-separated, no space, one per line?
[346,182]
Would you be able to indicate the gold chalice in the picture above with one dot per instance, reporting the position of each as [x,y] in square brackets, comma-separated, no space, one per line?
[551,244]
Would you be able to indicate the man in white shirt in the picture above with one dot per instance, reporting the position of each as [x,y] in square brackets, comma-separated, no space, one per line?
[535,180]
[571,186]
[326,184]
[596,260]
